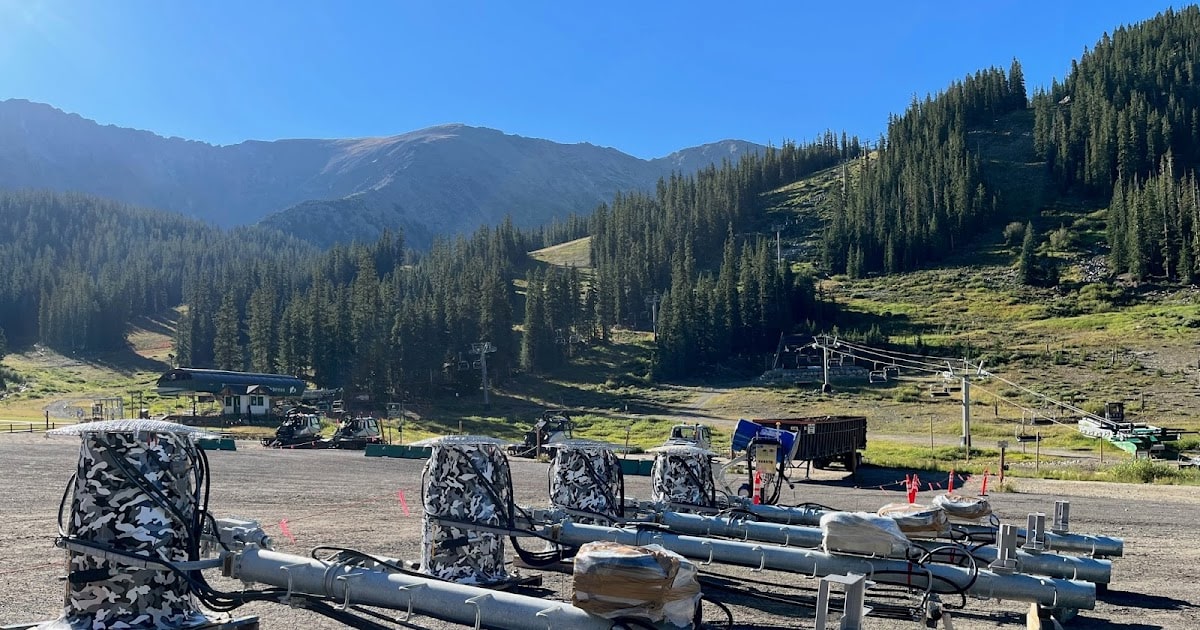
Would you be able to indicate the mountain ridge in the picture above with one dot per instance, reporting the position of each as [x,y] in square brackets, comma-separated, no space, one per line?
[441,180]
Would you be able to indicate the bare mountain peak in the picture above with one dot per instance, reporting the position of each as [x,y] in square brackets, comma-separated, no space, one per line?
[443,179]
[695,158]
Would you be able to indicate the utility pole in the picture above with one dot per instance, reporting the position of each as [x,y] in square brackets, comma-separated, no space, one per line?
[1003,444]
[483,349]
[652,301]
[825,388]
[966,414]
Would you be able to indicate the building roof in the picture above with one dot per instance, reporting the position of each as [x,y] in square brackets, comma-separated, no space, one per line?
[191,381]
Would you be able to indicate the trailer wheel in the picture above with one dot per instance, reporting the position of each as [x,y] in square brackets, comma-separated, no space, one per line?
[852,460]
[820,463]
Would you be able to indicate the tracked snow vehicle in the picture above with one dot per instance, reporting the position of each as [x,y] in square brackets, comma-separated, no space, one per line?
[556,425]
[298,430]
[355,433]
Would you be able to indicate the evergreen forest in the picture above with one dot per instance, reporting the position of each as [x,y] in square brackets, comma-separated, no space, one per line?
[693,260]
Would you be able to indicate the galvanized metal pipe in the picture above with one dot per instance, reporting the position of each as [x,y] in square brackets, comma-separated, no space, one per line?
[458,603]
[1053,565]
[1098,546]
[1091,544]
[1050,565]
[940,578]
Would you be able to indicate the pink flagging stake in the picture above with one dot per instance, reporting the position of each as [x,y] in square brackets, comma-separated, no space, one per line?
[287,533]
[403,503]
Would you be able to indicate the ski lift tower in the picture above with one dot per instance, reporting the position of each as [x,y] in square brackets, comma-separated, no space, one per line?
[108,409]
[652,301]
[483,349]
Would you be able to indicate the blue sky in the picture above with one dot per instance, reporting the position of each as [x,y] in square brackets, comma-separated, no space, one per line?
[644,77]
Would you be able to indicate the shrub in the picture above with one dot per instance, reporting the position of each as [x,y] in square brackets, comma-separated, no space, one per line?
[1144,471]
[1014,233]
[907,394]
[1062,239]
[1098,297]
[1187,444]
[1007,487]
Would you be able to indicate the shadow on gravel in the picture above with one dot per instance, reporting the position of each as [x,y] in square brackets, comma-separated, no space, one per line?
[1081,621]
[1104,624]
[753,626]
[868,476]
[1142,600]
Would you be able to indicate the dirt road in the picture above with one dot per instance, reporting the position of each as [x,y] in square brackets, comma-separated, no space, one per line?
[335,497]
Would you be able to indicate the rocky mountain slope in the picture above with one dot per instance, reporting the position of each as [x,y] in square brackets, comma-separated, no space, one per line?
[442,180]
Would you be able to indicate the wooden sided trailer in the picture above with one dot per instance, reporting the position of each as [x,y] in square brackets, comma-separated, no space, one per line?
[823,440]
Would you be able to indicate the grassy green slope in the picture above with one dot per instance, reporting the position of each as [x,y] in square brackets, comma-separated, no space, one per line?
[576,253]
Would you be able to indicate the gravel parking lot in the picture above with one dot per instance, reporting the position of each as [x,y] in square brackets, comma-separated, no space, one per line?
[344,498]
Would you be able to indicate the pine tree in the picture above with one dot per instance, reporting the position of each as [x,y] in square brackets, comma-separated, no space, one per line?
[367,341]
[287,354]
[1115,229]
[1027,268]
[1134,249]
[535,330]
[184,334]
[495,324]
[227,350]
[1016,86]
[261,330]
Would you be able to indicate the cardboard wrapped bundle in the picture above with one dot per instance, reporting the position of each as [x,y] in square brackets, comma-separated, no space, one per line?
[651,583]
[915,519]
[864,534]
[963,507]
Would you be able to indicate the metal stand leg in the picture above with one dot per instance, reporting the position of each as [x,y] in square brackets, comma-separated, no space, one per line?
[822,603]
[855,587]
[1062,517]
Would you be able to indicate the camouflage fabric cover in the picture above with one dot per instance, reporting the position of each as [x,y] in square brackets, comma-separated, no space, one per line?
[588,479]
[467,482]
[682,476]
[109,508]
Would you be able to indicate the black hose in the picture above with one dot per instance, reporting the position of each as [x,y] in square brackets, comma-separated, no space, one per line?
[541,559]
[620,484]
[753,594]
[364,556]
[700,612]
[809,505]
[62,502]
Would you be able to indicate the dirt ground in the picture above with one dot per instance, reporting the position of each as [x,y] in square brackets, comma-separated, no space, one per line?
[344,498]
